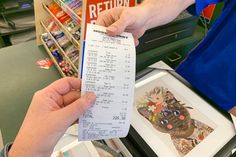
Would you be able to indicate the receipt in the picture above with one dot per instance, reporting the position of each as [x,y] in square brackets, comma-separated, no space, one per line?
[109,71]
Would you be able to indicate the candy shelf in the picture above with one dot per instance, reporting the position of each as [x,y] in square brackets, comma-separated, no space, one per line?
[67,22]
[59,60]
[52,57]
[62,27]
[69,11]
[59,47]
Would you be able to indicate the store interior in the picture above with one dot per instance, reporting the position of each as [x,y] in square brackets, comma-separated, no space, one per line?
[40,42]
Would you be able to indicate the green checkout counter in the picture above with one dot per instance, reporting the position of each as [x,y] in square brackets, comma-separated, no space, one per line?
[20,79]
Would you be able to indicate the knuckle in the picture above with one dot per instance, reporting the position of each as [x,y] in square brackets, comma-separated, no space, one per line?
[38,93]
[103,13]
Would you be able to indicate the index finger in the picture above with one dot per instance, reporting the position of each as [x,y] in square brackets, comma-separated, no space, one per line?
[64,85]
[100,21]
[104,19]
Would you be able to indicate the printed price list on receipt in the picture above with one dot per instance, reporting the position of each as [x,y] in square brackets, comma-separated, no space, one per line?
[108,69]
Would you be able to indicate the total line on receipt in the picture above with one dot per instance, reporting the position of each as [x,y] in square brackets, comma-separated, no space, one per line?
[109,71]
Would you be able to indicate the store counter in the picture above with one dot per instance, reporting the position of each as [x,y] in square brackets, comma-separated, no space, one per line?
[20,79]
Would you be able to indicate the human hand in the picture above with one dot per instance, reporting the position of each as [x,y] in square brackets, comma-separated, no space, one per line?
[136,20]
[120,19]
[52,110]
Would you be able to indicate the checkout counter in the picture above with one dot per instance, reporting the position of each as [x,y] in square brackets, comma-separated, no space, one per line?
[20,79]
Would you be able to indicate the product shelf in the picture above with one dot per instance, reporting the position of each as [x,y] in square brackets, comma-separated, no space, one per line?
[69,11]
[62,27]
[52,57]
[59,47]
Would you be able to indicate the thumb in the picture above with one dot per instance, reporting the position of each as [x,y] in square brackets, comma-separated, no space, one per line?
[118,27]
[72,112]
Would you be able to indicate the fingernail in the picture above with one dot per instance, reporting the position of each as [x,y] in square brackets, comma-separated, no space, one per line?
[91,97]
[111,29]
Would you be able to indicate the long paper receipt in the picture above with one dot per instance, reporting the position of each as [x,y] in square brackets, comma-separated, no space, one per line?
[109,71]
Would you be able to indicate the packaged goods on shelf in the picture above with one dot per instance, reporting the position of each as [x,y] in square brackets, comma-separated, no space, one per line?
[69,26]
[65,23]
[59,60]
[75,5]
[68,50]
[72,7]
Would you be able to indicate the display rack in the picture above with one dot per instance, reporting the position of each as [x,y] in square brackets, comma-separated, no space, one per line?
[79,14]
[59,47]
[42,13]
[67,33]
[69,11]
[52,57]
